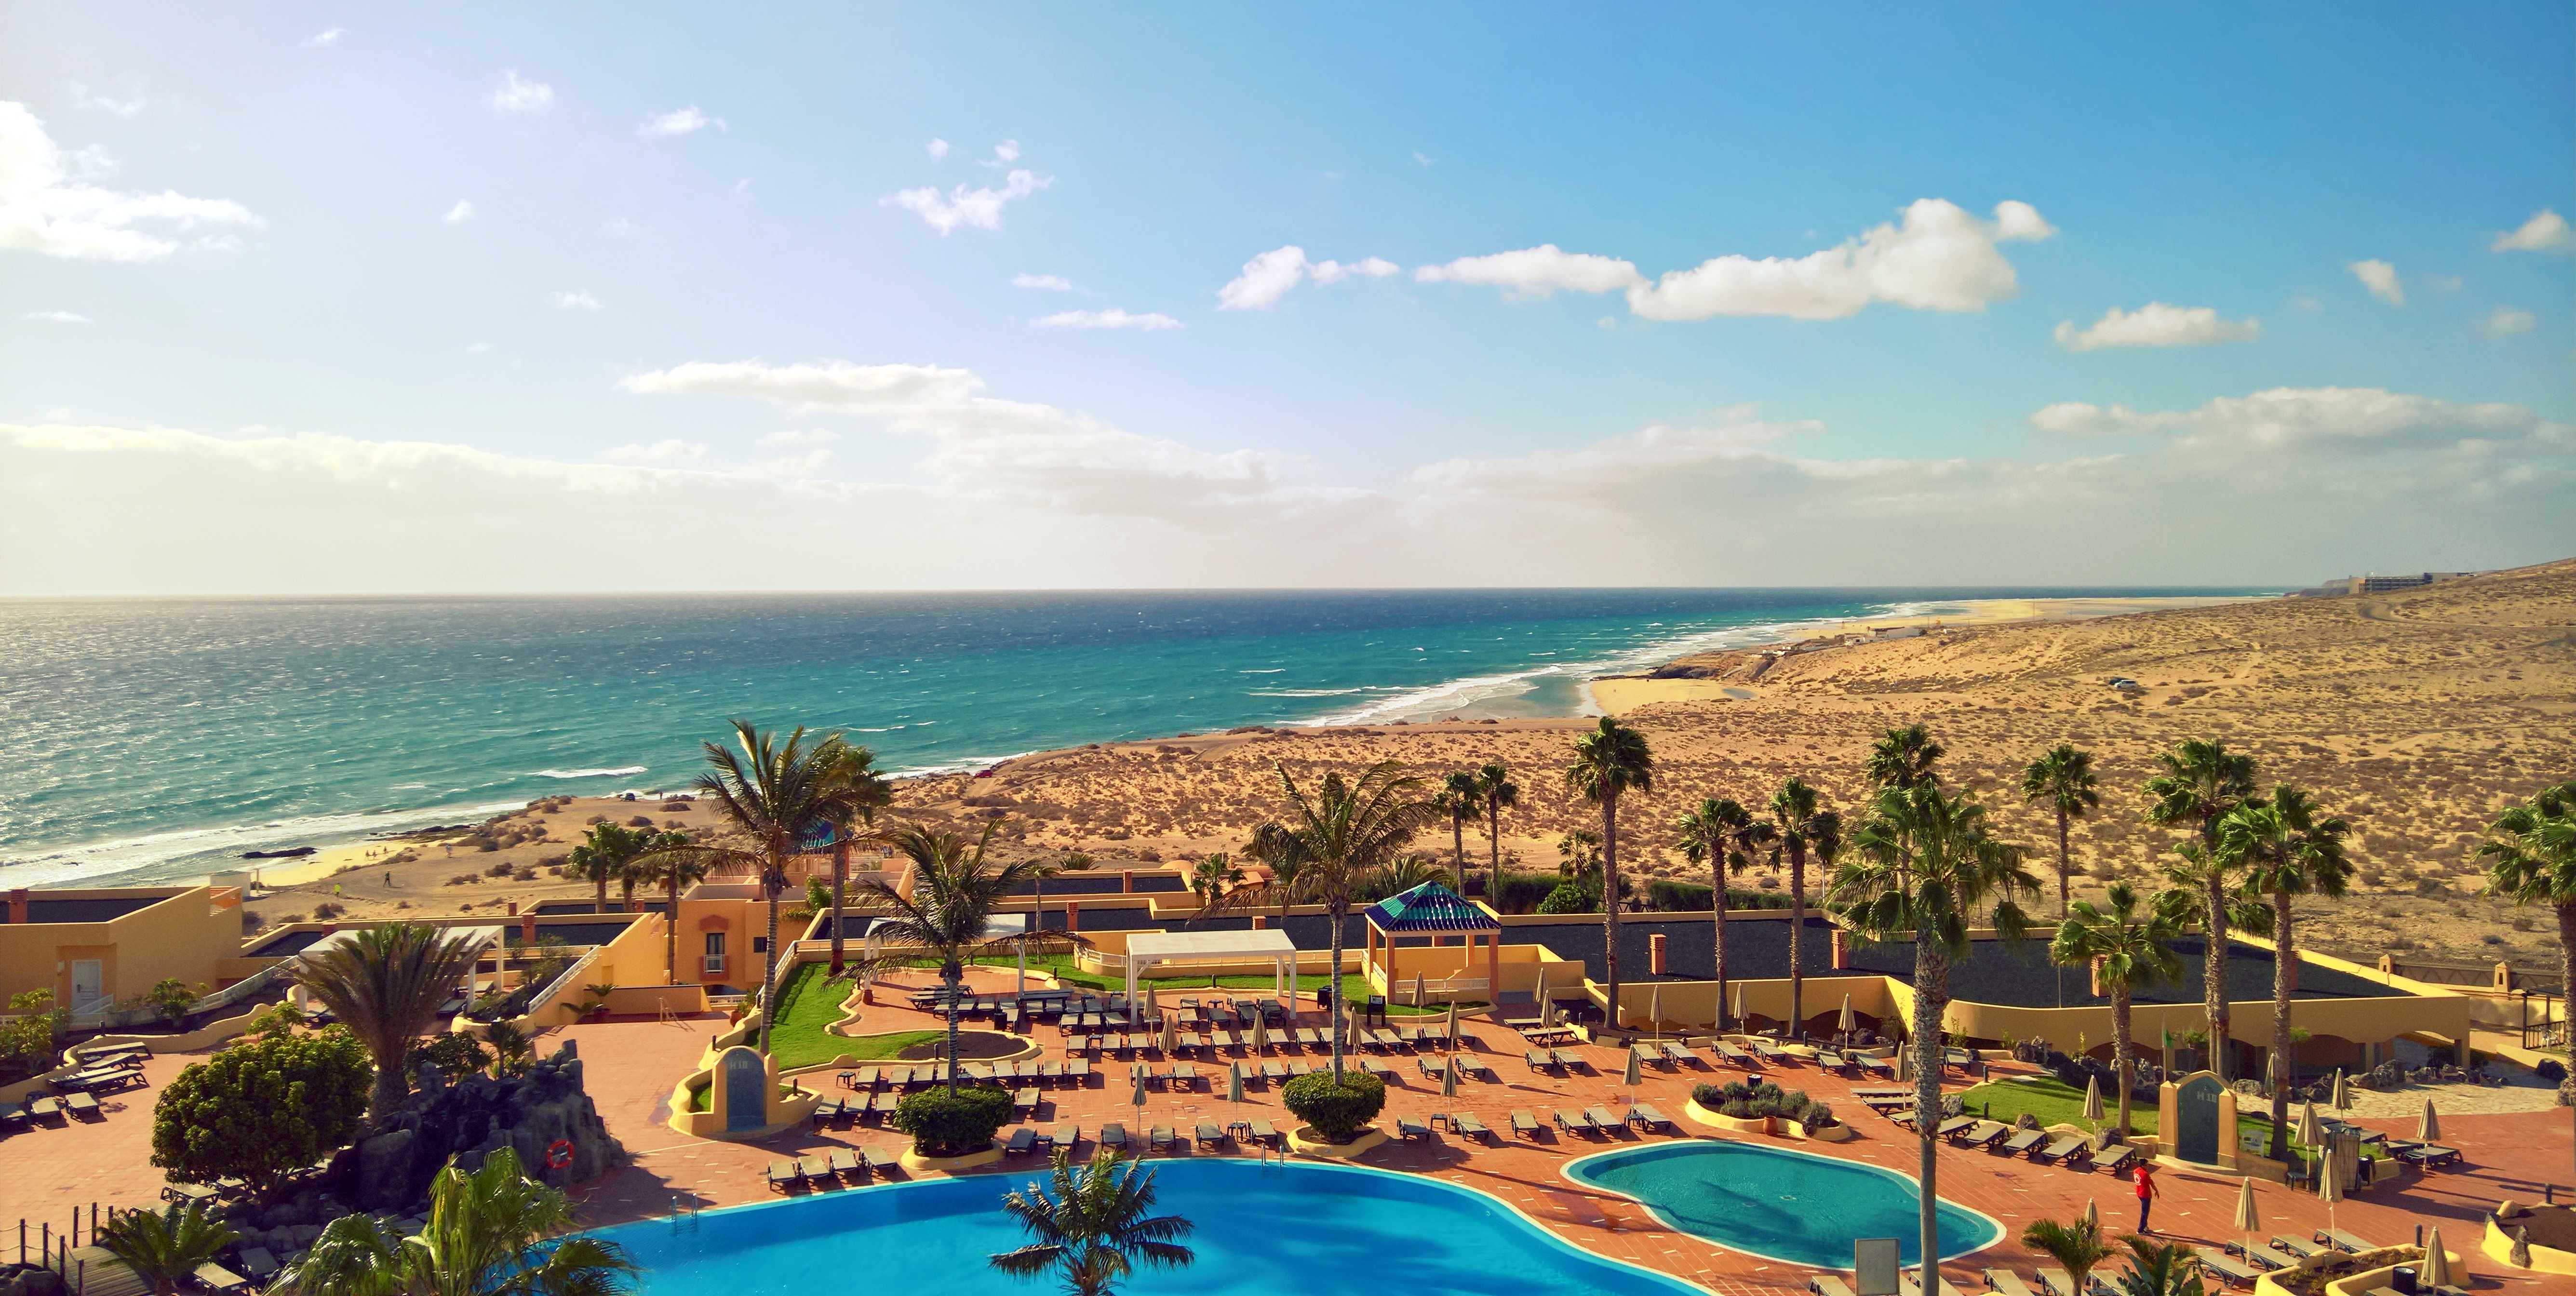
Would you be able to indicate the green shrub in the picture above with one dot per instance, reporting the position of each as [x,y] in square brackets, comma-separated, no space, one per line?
[1818,1118]
[456,1053]
[1337,1111]
[1568,898]
[260,1109]
[945,1124]
[1522,892]
[1692,897]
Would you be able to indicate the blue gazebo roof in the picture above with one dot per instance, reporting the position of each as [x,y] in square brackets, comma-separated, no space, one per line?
[1430,907]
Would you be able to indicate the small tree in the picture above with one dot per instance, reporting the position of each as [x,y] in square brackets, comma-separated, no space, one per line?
[455,1053]
[260,1109]
[511,1047]
[953,1122]
[276,1021]
[494,1232]
[1094,1226]
[165,1249]
[172,998]
[1338,1108]
[28,1035]
[2076,1247]
[2159,1269]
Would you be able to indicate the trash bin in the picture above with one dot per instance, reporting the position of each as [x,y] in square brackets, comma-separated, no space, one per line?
[2403,1281]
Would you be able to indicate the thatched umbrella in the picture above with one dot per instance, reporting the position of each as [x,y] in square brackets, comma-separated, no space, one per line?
[2249,1221]
[2435,1268]
[2093,1098]
[2431,1127]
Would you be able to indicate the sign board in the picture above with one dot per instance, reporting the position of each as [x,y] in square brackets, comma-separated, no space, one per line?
[1874,1266]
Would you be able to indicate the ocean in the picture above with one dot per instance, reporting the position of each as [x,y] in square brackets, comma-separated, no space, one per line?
[145,741]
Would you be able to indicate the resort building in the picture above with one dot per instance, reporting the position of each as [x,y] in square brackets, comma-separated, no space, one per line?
[100,948]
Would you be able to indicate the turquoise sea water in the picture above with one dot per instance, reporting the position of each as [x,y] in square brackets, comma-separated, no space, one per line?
[160,739]
[1274,1230]
[1780,1204]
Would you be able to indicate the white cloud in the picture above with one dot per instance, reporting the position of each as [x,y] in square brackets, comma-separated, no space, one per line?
[801,437]
[2157,325]
[1536,272]
[666,450]
[1326,272]
[617,227]
[1004,154]
[1938,258]
[322,39]
[2381,279]
[683,121]
[1048,283]
[574,299]
[519,95]
[90,100]
[45,209]
[1267,278]
[1426,161]
[2507,321]
[477,348]
[2546,231]
[980,208]
[2306,421]
[462,212]
[58,317]
[1113,318]
[938,149]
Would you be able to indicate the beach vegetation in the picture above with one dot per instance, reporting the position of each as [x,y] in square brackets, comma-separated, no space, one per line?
[955,893]
[2077,1246]
[1339,1107]
[1095,1225]
[491,1232]
[1611,760]
[164,1248]
[2129,946]
[386,984]
[953,1121]
[1723,835]
[1496,792]
[2062,781]
[2285,848]
[2200,784]
[1926,866]
[1801,826]
[262,1108]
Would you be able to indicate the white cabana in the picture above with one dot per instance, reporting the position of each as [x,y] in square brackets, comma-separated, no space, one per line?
[1270,945]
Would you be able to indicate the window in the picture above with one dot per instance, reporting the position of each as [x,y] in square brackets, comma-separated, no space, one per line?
[759,944]
[715,957]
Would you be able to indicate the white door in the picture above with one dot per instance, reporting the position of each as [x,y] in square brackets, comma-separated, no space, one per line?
[86,979]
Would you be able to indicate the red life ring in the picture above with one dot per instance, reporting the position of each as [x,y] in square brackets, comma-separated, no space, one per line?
[559,1154]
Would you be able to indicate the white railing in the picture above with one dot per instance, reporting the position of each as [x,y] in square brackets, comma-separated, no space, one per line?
[712,965]
[556,989]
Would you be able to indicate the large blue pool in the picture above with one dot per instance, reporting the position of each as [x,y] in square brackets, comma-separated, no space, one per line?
[1779,1204]
[1278,1229]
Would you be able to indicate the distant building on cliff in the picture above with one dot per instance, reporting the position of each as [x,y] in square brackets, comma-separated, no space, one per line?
[2376,584]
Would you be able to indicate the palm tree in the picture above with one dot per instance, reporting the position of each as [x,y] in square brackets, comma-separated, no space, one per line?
[1497,793]
[1333,845]
[386,984]
[2202,781]
[2285,850]
[1462,800]
[492,1232]
[1407,872]
[2130,946]
[1213,877]
[1722,835]
[863,793]
[770,794]
[2159,1269]
[1926,868]
[2077,1247]
[1797,826]
[2062,780]
[955,893]
[2531,859]
[1094,1227]
[605,856]
[1608,761]
[671,866]
[165,1249]
[1903,758]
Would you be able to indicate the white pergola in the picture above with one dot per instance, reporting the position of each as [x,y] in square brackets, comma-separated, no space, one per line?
[1147,948]
[480,939]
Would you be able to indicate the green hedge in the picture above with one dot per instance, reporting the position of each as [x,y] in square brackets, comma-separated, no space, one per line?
[945,1124]
[1740,1101]
[1692,897]
[1337,1111]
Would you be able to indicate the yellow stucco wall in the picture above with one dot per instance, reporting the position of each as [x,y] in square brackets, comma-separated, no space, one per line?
[188,933]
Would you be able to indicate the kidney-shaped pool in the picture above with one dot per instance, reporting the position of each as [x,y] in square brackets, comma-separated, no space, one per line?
[1794,1207]
[1325,1230]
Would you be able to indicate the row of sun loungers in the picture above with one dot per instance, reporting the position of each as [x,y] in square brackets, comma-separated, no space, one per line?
[1074,1072]
[837,1166]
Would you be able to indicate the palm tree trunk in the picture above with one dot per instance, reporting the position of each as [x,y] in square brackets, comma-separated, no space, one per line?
[954,976]
[2124,1052]
[769,974]
[1333,978]
[1797,941]
[1610,899]
[599,904]
[1494,842]
[2213,973]
[2285,979]
[2567,968]
[2065,865]
[1458,846]
[1717,902]
[840,884]
[1929,975]
[671,930]
[390,1087]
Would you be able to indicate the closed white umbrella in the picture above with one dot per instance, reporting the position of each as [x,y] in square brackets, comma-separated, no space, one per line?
[1540,994]
[1171,1033]
[2431,1128]
[2249,1221]
[2310,1132]
[2093,1098]
[1417,989]
[1634,1074]
[1844,1023]
[1655,1008]
[1449,1079]
[2329,1187]
[2339,1100]
[1260,1032]
[2436,1266]
[2092,1216]
[1137,1099]
[1736,1011]
[1905,1060]
[1234,1082]
[1453,1025]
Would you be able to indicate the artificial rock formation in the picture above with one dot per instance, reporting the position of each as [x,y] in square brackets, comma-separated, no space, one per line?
[391,1170]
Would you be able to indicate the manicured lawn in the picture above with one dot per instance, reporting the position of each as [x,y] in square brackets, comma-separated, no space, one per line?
[811,1001]
[2054,1103]
[1062,968]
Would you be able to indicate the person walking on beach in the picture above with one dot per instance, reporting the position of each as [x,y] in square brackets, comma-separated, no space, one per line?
[2147,1194]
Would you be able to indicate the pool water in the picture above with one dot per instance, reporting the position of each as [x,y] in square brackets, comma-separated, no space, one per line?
[1795,1207]
[1325,1230]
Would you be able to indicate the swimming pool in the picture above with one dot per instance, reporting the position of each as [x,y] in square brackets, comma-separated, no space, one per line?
[1325,1230]
[1779,1204]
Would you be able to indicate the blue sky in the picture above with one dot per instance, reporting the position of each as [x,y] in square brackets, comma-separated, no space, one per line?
[489,295]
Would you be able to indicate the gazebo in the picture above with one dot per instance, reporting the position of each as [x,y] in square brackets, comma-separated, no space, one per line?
[1270,945]
[1435,911]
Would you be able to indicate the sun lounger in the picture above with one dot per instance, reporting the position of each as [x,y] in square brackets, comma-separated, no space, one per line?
[1912,1285]
[1467,1124]
[2298,1248]
[1955,1126]
[1409,1129]
[12,1115]
[1022,1141]
[2057,1282]
[1602,1119]
[2429,1155]
[2022,1142]
[2057,1150]
[1431,1066]
[1185,1075]
[1211,1135]
[1274,1073]
[1159,1139]
[815,1170]
[1646,1115]
[1524,1125]
[2115,1160]
[844,1163]
[1676,1054]
[784,1175]
[46,1108]
[1024,1101]
[1731,1054]
[864,1078]
[1263,1132]
[1113,1135]
[1475,1066]
[1569,1121]
[1539,1059]
[1569,1059]
[879,1160]
[1379,1069]
[1982,1134]
[82,1105]
[216,1278]
[2004,1282]
[2343,1241]
[2226,1268]
[2258,1257]
[1825,1284]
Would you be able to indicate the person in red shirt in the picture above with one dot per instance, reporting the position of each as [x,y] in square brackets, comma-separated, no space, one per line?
[2147,1194]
